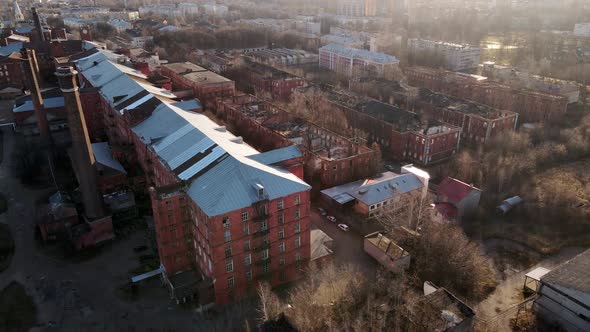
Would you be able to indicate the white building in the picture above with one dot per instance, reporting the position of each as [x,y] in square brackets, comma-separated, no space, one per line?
[582,30]
[215,9]
[456,57]
[564,294]
[170,10]
[349,61]
[120,25]
[346,41]
[351,7]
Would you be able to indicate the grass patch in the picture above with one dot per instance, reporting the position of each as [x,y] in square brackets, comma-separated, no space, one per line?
[17,310]
[6,247]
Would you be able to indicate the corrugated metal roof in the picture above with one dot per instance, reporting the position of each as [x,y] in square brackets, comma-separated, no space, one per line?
[375,190]
[11,48]
[220,170]
[48,103]
[278,155]
[102,154]
[188,105]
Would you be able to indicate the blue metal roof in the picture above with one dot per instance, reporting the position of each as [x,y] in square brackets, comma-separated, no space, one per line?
[27,106]
[188,105]
[11,48]
[221,172]
[278,155]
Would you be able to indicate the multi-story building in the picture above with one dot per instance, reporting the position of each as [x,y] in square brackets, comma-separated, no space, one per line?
[456,57]
[531,105]
[215,9]
[519,79]
[278,84]
[351,7]
[401,134]
[329,159]
[582,30]
[206,85]
[11,72]
[225,217]
[479,123]
[283,57]
[356,62]
[345,41]
[169,10]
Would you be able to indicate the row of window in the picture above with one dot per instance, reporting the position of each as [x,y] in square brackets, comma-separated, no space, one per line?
[265,269]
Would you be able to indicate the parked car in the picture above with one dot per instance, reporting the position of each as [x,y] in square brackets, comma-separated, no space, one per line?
[322,212]
[343,227]
[331,218]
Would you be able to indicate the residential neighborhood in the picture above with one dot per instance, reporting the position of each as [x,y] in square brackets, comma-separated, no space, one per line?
[332,165]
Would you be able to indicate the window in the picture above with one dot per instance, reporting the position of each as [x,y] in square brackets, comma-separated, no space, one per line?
[297,257]
[297,200]
[246,229]
[281,218]
[280,205]
[297,228]
[297,213]
[226,236]
[227,251]
[229,266]
[230,281]
[248,275]
[244,216]
[282,247]
[265,254]
[265,267]
[263,226]
[248,259]
[247,245]
[282,262]
[225,222]
[281,233]
[298,241]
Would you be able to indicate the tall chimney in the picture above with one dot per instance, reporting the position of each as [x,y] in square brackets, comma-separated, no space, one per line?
[38,24]
[32,83]
[82,151]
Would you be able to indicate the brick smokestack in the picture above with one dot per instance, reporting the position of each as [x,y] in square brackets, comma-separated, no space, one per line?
[32,82]
[38,26]
[83,156]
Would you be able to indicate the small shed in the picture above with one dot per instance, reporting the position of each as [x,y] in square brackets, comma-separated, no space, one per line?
[533,278]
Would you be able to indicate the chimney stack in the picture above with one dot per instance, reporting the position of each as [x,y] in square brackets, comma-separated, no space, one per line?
[83,156]
[38,26]
[32,82]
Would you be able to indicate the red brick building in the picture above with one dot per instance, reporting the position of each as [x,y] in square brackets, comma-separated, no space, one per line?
[223,212]
[532,106]
[402,134]
[206,85]
[11,72]
[330,159]
[479,123]
[256,77]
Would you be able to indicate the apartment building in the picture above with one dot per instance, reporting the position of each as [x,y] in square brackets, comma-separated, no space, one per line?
[456,57]
[225,217]
[278,84]
[356,62]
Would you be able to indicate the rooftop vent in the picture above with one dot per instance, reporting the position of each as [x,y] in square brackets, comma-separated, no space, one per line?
[363,191]
[237,140]
[221,129]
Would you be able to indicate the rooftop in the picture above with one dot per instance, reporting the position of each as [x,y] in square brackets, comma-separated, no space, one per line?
[356,53]
[573,274]
[206,77]
[447,311]
[375,190]
[386,245]
[216,166]
[454,190]
[184,67]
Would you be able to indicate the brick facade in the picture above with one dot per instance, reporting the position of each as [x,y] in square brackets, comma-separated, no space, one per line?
[532,106]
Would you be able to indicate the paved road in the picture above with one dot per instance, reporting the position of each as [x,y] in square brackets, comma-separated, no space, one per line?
[348,246]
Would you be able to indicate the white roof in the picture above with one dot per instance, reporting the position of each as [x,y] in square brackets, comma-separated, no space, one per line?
[537,273]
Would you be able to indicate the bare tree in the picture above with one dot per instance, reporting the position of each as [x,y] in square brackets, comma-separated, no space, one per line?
[270,304]
[410,210]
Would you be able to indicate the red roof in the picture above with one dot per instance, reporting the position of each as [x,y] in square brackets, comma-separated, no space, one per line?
[454,190]
[447,210]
